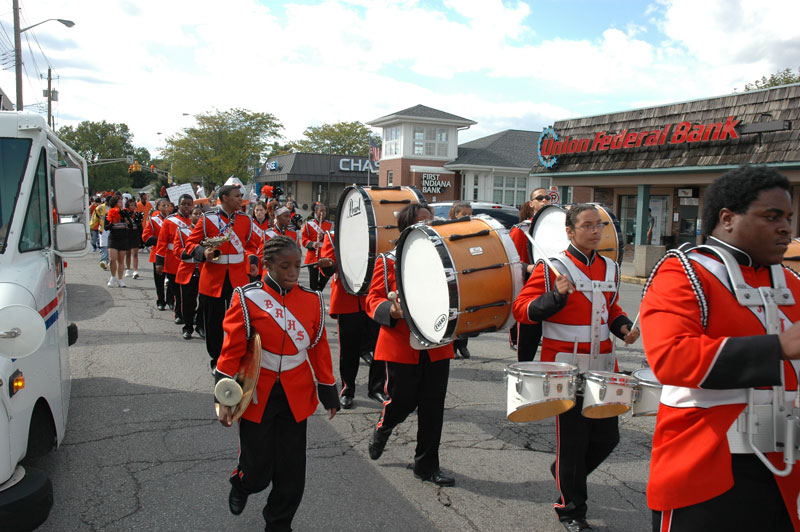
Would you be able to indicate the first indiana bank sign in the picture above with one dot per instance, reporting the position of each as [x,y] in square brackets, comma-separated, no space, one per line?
[551,145]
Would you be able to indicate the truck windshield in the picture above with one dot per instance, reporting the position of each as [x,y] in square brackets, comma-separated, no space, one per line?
[13,158]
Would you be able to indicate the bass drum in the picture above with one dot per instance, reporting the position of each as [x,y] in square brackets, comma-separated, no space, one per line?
[792,256]
[457,277]
[366,226]
[548,229]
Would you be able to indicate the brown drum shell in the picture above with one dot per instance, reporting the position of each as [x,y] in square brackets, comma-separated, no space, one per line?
[792,256]
[609,241]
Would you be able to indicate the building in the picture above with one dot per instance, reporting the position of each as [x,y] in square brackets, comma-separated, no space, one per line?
[662,158]
[309,178]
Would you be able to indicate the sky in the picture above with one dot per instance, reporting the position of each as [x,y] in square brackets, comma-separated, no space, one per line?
[154,64]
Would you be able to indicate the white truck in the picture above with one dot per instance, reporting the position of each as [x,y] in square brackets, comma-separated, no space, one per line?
[42,183]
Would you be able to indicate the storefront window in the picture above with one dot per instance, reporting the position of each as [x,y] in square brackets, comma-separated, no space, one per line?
[660,219]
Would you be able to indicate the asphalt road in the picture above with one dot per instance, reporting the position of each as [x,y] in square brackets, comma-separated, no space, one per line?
[143,450]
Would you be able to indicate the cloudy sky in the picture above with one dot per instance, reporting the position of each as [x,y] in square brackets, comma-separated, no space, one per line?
[503,63]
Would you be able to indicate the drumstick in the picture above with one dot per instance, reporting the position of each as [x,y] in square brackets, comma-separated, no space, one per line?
[543,254]
[635,321]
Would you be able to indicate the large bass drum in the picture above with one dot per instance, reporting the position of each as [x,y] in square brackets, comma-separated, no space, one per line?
[548,229]
[792,256]
[366,226]
[457,277]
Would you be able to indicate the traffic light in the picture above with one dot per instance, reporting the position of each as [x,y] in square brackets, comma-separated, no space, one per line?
[130,169]
[152,168]
[136,166]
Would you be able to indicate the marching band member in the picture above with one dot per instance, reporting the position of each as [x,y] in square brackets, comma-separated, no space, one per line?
[528,335]
[357,332]
[188,276]
[566,317]
[708,350]
[280,226]
[167,260]
[312,235]
[272,431]
[226,265]
[414,379]
[261,225]
[152,228]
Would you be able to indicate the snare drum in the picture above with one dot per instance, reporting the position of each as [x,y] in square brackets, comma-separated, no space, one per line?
[366,226]
[647,395]
[606,394]
[548,229]
[538,390]
[457,277]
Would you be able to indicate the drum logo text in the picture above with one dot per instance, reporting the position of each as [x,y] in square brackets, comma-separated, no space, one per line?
[440,321]
[353,207]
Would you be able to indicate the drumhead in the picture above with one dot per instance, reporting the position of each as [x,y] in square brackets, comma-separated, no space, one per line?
[548,229]
[541,369]
[608,377]
[646,376]
[353,221]
[422,284]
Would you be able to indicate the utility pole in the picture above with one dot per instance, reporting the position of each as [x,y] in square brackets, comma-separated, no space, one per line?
[50,97]
[17,54]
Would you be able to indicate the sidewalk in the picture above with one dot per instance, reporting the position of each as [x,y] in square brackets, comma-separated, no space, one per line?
[627,274]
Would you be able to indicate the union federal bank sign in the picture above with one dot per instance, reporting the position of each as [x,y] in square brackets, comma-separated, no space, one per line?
[551,145]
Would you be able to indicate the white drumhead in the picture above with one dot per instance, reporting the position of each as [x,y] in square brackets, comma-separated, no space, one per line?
[550,232]
[646,375]
[353,241]
[424,286]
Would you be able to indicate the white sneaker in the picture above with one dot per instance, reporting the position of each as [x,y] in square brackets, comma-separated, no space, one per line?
[121,284]
[112,281]
[127,273]
[135,274]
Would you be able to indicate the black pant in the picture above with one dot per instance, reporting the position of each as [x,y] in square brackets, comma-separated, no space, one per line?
[753,503]
[528,338]
[214,309]
[175,289]
[583,444]
[422,386]
[358,334]
[158,279]
[189,302]
[316,280]
[273,451]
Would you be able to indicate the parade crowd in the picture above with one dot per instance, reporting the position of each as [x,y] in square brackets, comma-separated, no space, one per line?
[227,275]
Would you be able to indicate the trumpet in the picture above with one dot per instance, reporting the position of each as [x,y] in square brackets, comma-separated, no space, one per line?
[215,242]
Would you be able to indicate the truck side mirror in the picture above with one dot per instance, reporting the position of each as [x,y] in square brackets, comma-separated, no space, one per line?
[70,196]
[71,236]
[22,331]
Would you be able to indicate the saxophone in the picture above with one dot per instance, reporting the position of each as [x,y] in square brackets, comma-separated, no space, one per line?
[215,242]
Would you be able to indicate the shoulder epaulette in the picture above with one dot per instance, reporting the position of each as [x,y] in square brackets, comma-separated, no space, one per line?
[252,286]
[691,274]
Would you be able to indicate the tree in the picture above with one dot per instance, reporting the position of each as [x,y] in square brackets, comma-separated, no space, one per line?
[97,141]
[341,138]
[781,77]
[223,143]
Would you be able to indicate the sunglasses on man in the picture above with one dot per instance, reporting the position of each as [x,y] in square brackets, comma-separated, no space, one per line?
[542,198]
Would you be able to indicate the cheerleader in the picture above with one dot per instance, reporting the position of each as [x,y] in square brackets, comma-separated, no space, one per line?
[118,223]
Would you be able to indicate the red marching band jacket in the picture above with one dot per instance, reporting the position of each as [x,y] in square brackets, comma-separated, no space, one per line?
[165,249]
[394,338]
[517,234]
[311,234]
[150,232]
[568,318]
[705,360]
[293,343]
[269,233]
[341,302]
[187,263]
[236,254]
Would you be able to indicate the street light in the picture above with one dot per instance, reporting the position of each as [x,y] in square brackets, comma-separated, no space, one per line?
[18,47]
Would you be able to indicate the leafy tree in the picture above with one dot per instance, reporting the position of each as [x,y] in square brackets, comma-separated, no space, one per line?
[223,143]
[781,77]
[97,141]
[341,138]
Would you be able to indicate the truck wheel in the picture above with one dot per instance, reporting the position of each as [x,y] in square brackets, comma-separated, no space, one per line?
[26,505]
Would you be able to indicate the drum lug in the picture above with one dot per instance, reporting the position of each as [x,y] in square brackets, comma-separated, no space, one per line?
[546,386]
[449,274]
[603,389]
[571,388]
[519,384]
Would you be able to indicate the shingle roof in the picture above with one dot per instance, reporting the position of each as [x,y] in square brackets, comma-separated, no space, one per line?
[512,148]
[422,111]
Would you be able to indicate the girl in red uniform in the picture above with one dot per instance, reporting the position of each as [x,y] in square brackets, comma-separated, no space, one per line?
[272,433]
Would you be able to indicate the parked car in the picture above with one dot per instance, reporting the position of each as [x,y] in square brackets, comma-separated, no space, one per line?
[508,216]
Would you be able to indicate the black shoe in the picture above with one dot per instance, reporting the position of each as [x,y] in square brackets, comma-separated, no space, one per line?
[347,402]
[378,443]
[366,356]
[160,306]
[464,352]
[187,336]
[178,321]
[575,525]
[378,396]
[171,306]
[236,500]
[438,477]
[201,332]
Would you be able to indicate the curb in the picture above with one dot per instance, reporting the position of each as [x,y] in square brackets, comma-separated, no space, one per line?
[633,280]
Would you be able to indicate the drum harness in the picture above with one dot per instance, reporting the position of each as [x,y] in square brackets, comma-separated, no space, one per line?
[771,425]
